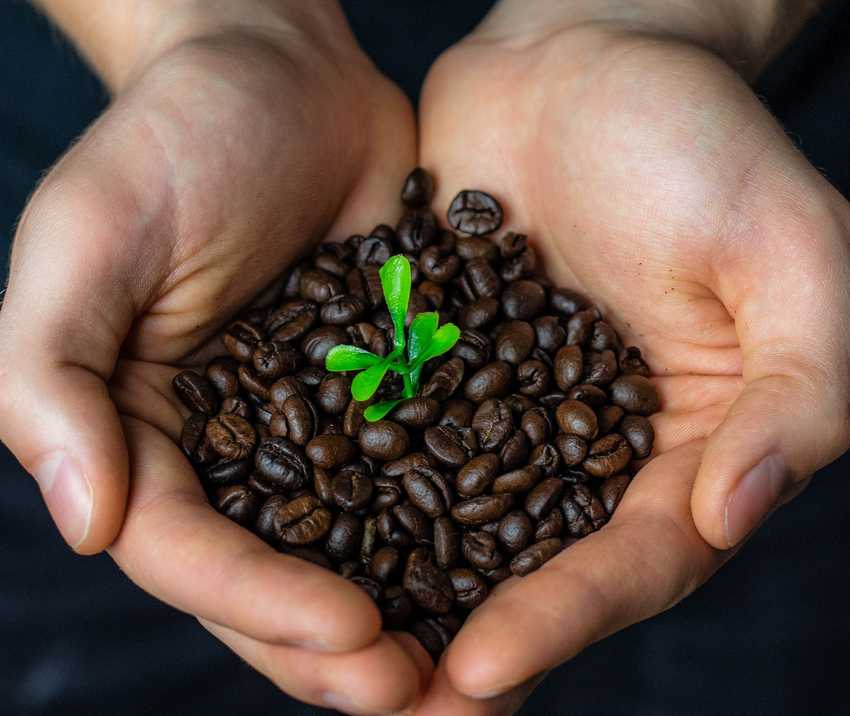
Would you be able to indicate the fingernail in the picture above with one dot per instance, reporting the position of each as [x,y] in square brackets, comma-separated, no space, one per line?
[68,496]
[755,496]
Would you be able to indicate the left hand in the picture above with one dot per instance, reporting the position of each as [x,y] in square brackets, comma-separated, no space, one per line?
[653,180]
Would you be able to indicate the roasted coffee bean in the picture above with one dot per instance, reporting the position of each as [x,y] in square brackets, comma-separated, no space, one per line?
[391,530]
[565,302]
[332,257]
[471,247]
[520,266]
[386,493]
[480,280]
[302,521]
[285,388]
[533,378]
[493,424]
[330,451]
[351,490]
[319,341]
[444,380]
[193,437]
[603,337]
[514,342]
[311,376]
[520,403]
[429,586]
[231,437]
[433,637]
[632,363]
[481,510]
[222,375]
[414,521]
[519,480]
[546,458]
[264,413]
[515,451]
[543,497]
[230,472]
[491,527]
[196,392]
[600,368]
[292,320]
[237,502]
[353,418]
[515,531]
[634,394]
[473,347]
[253,384]
[281,462]
[535,556]
[568,367]
[582,510]
[237,406]
[549,333]
[265,523]
[572,448]
[576,418]
[418,189]
[478,313]
[384,564]
[580,326]
[318,286]
[612,490]
[593,395]
[608,456]
[273,359]
[323,485]
[291,278]
[417,412]
[523,300]
[437,266]
[550,526]
[469,586]
[451,446]
[552,400]
[535,423]
[457,413]
[416,230]
[433,293]
[447,540]
[476,476]
[491,381]
[400,467]
[640,434]
[397,608]
[383,440]
[511,244]
[608,416]
[334,394]
[344,536]
[481,550]
[342,310]
[241,338]
[300,419]
[475,213]
[428,491]
[349,569]
[370,586]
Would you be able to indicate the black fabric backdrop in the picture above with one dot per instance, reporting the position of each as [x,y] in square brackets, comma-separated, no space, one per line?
[768,635]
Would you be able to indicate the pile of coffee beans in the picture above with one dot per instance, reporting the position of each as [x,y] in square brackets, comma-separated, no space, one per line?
[522,440]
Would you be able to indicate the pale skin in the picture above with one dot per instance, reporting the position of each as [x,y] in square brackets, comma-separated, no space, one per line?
[625,142]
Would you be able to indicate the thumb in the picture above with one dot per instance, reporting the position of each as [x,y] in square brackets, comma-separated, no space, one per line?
[62,322]
[789,299]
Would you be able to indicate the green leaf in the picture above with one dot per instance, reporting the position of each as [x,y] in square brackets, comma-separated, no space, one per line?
[421,332]
[395,280]
[342,358]
[379,410]
[366,382]
[442,341]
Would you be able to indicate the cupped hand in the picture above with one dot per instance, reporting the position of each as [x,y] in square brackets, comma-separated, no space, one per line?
[653,180]
[224,159]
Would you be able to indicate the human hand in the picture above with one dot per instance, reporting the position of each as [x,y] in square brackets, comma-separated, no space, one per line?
[654,181]
[231,146]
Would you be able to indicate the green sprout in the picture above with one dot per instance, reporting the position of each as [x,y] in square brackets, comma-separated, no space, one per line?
[425,341]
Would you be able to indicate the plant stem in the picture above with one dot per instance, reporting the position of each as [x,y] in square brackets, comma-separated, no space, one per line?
[409,391]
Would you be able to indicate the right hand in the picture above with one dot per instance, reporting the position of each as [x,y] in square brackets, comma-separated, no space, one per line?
[224,158]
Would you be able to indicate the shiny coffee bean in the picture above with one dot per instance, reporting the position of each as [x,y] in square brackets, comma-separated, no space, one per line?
[428,491]
[576,418]
[222,375]
[418,189]
[416,230]
[412,461]
[193,439]
[550,526]
[385,562]
[481,550]
[608,456]
[515,451]
[546,458]
[480,280]
[302,521]
[639,433]
[476,476]
[479,313]
[319,341]
[635,394]
[593,395]
[469,586]
[632,363]
[457,413]
[612,490]
[240,339]
[196,392]
[473,347]
[608,417]
[292,320]
[280,462]
[523,300]
[343,310]
[330,451]
[580,326]
[383,440]
[533,378]
[572,448]
[416,412]
[603,337]
[437,266]
[515,531]
[549,333]
[519,480]
[543,497]
[536,425]
[493,424]
[351,490]
[237,502]
[481,510]
[583,512]
[318,286]
[514,342]
[568,367]
[285,388]
[386,493]
[534,557]
[475,213]
[230,472]
[272,359]
[231,437]
[344,536]
[429,586]
[491,381]
[444,381]
[334,394]
[599,368]
[374,251]
[447,542]
[451,446]
[414,522]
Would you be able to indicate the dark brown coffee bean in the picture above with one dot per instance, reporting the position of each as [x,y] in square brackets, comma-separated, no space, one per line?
[334,394]
[550,526]
[374,251]
[451,446]
[384,564]
[383,440]
[391,530]
[318,286]
[237,406]
[265,524]
[428,491]
[478,313]
[593,395]
[632,363]
[433,293]
[493,424]
[231,437]
[491,381]
[568,367]
[416,230]
[230,472]
[471,247]
[281,462]
[536,424]
[412,461]
[549,333]
[292,320]
[515,531]
[534,557]
[476,476]
[517,480]
[523,300]
[599,368]
[387,492]
[520,266]
[580,326]
[413,520]
[446,542]
[481,550]
[640,434]
[533,378]
[418,189]
[437,266]
[370,586]
[397,608]
[194,442]
[608,416]
[475,212]
[343,310]
[417,412]
[221,373]
[240,339]
[546,458]
[608,456]
[543,497]
[344,536]
[519,403]
[576,418]
[480,280]
[302,521]
[351,490]
[444,381]
[318,343]
[469,586]
[515,451]
[253,384]
[514,342]
[353,418]
[603,337]
[635,394]
[332,258]
[572,448]
[583,512]
[432,636]
[272,359]
[330,451]
[429,586]
[566,302]
[237,502]
[286,388]
[481,510]
[196,392]
[323,485]
[552,400]
[612,490]
[311,376]
[473,347]
[300,419]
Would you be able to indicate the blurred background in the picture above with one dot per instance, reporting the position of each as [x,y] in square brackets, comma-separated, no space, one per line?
[770,634]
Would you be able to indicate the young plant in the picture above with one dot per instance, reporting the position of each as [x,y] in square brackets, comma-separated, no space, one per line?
[425,340]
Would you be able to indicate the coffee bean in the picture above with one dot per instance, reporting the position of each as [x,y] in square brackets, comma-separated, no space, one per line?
[476,476]
[194,442]
[300,417]
[638,431]
[429,586]
[482,509]
[549,333]
[473,347]
[536,425]
[334,394]
[603,337]
[432,636]
[386,493]
[231,437]
[222,375]
[475,213]
[344,536]
[569,364]
[240,338]
[445,380]
[229,472]
[384,564]
[342,310]
[447,539]
[417,412]
[550,526]
[318,286]
[302,521]
[481,550]
[451,446]
[583,512]
[546,458]
[285,388]
[383,440]
[433,293]
[533,378]
[580,326]
[370,586]
[281,462]
[543,497]
[515,451]
[414,521]
[253,384]
[635,394]
[514,342]
[428,491]
[608,416]
[515,531]
[492,424]
[632,363]
[608,456]
[491,381]
[535,556]
[599,368]
[418,189]
[237,406]
[400,467]
[273,359]
[374,250]
[292,320]
[593,395]
[565,302]
[332,258]
[523,300]
[351,490]
[469,587]
[576,418]
[457,413]
[319,341]
[397,608]
[612,490]
[437,266]
[478,313]
[196,392]
[572,448]
[330,451]
[519,480]
[416,230]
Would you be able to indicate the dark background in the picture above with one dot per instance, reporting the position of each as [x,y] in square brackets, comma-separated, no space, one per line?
[768,635]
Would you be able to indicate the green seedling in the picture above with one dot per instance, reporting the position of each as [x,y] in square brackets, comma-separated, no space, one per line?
[426,339]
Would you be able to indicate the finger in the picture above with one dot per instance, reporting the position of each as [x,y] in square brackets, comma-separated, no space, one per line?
[175,546]
[792,417]
[675,429]
[692,392]
[644,561]
[378,679]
